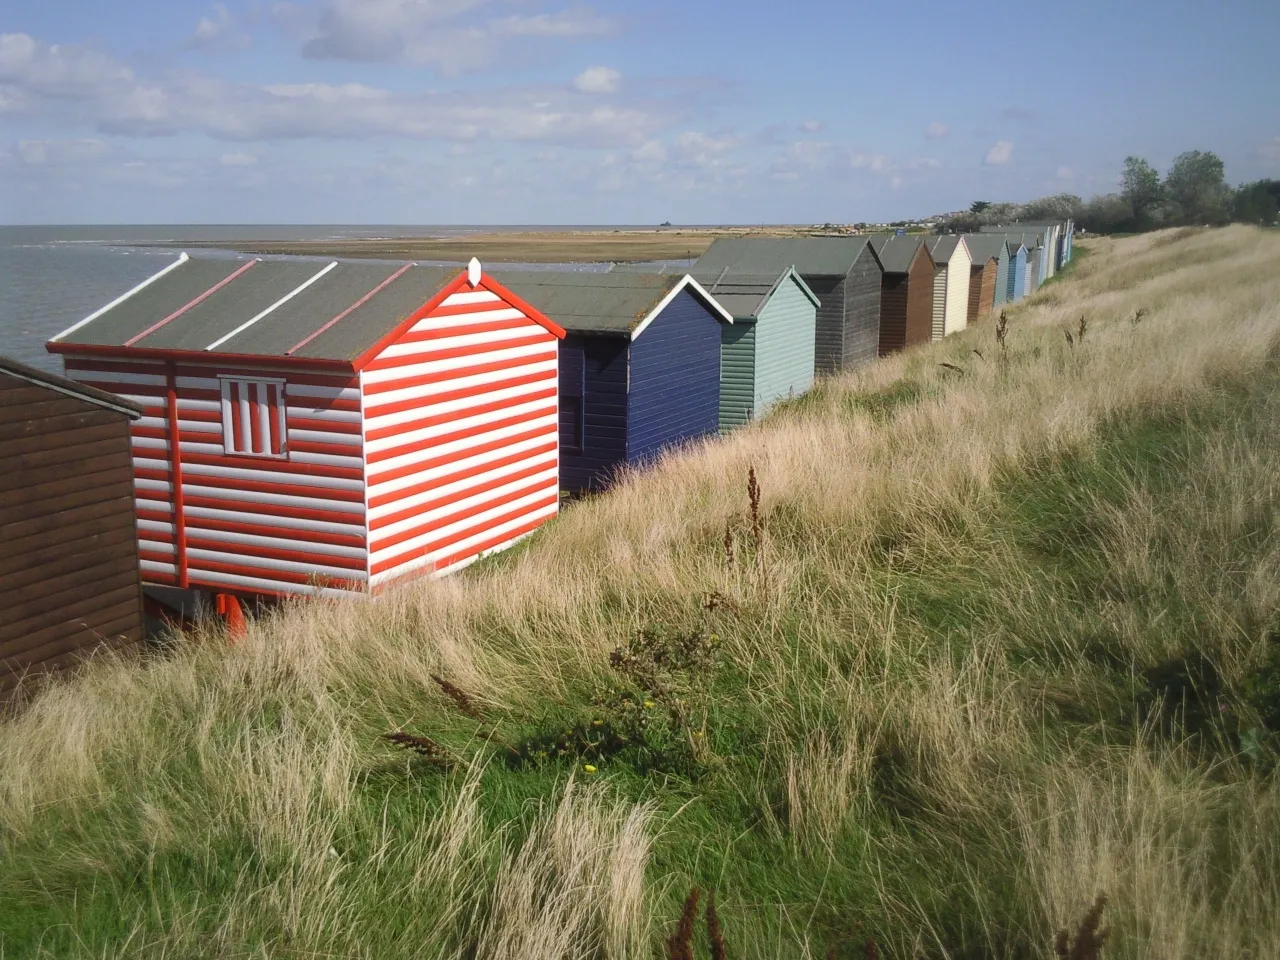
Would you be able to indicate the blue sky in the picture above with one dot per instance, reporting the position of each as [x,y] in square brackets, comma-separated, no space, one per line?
[560,111]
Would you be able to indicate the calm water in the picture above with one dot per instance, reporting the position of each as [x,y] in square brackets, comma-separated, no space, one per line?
[50,277]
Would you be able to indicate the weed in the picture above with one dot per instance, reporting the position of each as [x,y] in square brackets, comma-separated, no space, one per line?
[680,943]
[426,748]
[1089,940]
[715,933]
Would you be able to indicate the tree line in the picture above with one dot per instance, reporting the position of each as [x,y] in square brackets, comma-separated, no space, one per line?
[1194,192]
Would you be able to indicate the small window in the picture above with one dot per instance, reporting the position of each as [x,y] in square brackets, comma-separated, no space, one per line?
[253,418]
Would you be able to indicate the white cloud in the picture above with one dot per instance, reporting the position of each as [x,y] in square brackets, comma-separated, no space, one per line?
[877,162]
[924,163]
[811,126]
[218,32]
[451,35]
[702,149]
[238,160]
[113,99]
[937,131]
[598,80]
[999,153]
[42,153]
[651,151]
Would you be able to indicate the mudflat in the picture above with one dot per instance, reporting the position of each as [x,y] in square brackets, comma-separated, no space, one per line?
[587,246]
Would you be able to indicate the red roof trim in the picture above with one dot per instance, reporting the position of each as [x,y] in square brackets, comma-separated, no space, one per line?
[407,323]
[530,311]
[492,286]
[200,357]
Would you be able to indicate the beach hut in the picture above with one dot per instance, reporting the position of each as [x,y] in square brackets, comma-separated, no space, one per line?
[639,366]
[1034,233]
[950,285]
[842,272]
[1017,269]
[1035,258]
[906,297]
[326,428]
[985,251]
[767,353]
[69,581]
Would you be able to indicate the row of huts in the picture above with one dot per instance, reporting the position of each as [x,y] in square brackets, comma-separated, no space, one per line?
[295,427]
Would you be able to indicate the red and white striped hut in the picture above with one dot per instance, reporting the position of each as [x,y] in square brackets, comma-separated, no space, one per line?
[337,426]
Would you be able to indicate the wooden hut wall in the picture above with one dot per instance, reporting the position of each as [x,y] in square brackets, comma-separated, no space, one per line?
[862,288]
[1001,294]
[593,444]
[69,579]
[958,274]
[920,298]
[938,311]
[737,373]
[675,379]
[784,346]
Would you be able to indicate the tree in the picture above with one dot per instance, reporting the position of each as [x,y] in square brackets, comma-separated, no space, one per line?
[1140,188]
[979,205]
[1060,206]
[1198,189]
[1106,214]
[1257,202]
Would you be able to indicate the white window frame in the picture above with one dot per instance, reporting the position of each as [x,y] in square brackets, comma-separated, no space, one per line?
[242,410]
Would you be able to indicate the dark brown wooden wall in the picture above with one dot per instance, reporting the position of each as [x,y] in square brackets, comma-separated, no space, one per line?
[893,313]
[69,576]
[982,289]
[920,298]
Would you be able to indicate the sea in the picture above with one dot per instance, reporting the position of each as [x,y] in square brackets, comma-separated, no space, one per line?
[53,276]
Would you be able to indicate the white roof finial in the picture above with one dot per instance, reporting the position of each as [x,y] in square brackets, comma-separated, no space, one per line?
[473,272]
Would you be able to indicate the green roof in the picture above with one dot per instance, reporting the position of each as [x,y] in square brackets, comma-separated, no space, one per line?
[742,294]
[943,248]
[588,302]
[983,246]
[896,253]
[764,256]
[265,308]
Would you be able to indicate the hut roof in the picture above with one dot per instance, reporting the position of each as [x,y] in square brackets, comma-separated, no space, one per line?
[80,391]
[619,302]
[896,253]
[943,248]
[762,256]
[264,308]
[983,246]
[742,294]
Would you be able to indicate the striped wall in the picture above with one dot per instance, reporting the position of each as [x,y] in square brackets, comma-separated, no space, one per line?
[957,306]
[461,436]
[938,327]
[274,524]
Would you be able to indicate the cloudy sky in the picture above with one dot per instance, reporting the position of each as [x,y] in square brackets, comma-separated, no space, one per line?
[611,111]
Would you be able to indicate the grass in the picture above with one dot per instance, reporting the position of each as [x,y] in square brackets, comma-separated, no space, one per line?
[1001,637]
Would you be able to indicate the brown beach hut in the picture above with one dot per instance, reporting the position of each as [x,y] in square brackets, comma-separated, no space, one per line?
[985,249]
[906,294]
[69,580]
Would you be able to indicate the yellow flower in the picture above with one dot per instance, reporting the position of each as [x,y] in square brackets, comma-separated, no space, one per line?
[589,768]
[648,704]
[596,723]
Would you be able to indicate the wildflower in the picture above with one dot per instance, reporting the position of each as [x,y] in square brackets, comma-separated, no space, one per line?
[596,723]
[648,704]
[589,768]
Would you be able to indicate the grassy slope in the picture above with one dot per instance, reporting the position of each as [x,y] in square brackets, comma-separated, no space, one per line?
[1014,622]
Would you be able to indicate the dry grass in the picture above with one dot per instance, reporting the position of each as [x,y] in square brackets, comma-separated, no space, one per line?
[929,752]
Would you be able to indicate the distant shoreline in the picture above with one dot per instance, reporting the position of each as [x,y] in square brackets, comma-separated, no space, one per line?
[587,246]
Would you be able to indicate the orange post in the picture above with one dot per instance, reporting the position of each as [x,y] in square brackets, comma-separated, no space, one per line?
[229,608]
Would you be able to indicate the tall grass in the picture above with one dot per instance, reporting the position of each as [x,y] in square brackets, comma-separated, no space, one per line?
[995,649]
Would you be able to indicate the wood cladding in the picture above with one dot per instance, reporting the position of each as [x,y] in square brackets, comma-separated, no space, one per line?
[69,580]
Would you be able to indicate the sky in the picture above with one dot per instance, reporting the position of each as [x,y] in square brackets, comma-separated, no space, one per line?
[612,111]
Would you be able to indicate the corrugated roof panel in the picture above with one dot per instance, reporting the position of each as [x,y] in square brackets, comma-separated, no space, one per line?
[943,248]
[155,302]
[378,316]
[897,253]
[225,309]
[581,302]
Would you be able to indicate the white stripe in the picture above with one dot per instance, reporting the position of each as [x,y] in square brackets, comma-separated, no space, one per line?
[379,489]
[439,533]
[326,460]
[328,393]
[426,391]
[543,513]
[242,401]
[155,566]
[278,586]
[462,422]
[155,546]
[263,392]
[149,443]
[267,563]
[203,406]
[279,303]
[273,520]
[208,449]
[155,526]
[433,322]
[271,476]
[455,363]
[541,480]
[549,423]
[159,486]
[278,543]
[444,490]
[274,499]
[319,436]
[158,506]
[455,406]
[468,297]
[322,413]
[141,463]
[182,258]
